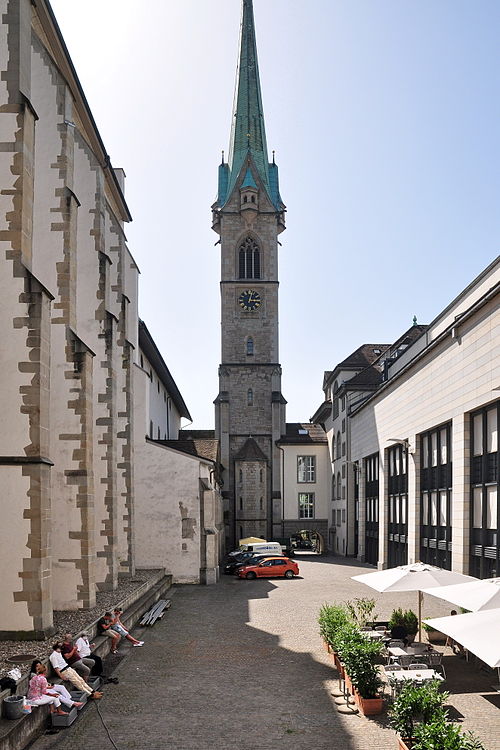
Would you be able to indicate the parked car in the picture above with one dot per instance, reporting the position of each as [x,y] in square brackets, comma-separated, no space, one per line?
[246,558]
[270,567]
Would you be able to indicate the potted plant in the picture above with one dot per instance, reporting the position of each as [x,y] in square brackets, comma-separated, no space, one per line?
[410,622]
[416,704]
[359,657]
[433,635]
[361,611]
[331,618]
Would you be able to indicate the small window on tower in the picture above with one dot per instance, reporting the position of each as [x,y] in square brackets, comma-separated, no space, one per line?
[241,475]
[245,199]
[250,346]
[249,397]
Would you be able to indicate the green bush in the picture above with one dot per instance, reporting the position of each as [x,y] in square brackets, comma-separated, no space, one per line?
[331,619]
[442,735]
[408,619]
[417,704]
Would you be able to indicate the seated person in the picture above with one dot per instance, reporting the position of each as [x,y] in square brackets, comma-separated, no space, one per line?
[400,633]
[65,672]
[40,693]
[117,625]
[84,649]
[456,647]
[64,696]
[104,628]
[72,657]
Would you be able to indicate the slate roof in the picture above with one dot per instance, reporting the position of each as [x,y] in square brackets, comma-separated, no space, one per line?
[187,434]
[363,356]
[250,451]
[314,433]
[370,376]
[206,449]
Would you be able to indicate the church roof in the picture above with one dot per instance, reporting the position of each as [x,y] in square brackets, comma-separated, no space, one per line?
[250,451]
[206,449]
[248,134]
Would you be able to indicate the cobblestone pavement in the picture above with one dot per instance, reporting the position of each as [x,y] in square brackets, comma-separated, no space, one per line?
[240,666]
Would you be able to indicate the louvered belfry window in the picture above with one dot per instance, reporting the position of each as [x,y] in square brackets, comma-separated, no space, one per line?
[249,260]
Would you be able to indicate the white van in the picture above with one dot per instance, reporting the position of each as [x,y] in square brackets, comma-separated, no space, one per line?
[262,548]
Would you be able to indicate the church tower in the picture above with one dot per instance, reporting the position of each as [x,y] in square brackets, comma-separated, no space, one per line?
[249,215]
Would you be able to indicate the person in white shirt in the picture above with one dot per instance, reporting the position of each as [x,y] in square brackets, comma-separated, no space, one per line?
[85,651]
[65,672]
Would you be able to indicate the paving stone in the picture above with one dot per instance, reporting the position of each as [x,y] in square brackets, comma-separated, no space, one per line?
[240,666]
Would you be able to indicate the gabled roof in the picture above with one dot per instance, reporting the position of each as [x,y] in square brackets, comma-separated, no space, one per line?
[148,346]
[206,449]
[369,377]
[250,451]
[363,356]
[302,433]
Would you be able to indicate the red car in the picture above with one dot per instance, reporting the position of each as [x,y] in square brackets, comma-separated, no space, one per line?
[270,567]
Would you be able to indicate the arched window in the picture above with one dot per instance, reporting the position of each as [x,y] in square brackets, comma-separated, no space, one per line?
[249,260]
[338,446]
[241,475]
[249,397]
[249,346]
[333,488]
[339,486]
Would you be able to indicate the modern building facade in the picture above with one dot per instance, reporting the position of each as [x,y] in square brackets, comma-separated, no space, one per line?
[248,215]
[420,440]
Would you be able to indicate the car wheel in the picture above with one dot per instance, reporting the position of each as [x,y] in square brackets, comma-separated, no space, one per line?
[250,575]
[289,574]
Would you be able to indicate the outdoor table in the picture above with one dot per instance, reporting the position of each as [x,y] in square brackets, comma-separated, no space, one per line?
[375,635]
[419,675]
[419,650]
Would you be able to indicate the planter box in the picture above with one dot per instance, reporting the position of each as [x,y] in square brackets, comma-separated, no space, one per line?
[369,706]
[348,683]
[327,647]
[404,744]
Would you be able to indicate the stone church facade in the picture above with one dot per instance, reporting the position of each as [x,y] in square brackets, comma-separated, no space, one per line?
[248,216]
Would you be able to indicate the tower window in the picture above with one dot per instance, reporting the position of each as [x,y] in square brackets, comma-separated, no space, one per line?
[249,260]
[249,346]
[249,397]
[245,198]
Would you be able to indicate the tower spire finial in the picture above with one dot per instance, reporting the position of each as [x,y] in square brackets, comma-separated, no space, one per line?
[248,130]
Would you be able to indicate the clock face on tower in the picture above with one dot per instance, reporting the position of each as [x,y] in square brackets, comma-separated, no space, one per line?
[249,300]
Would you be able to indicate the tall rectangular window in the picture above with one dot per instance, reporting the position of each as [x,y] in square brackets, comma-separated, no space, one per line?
[306,469]
[306,504]
[485,485]
[435,498]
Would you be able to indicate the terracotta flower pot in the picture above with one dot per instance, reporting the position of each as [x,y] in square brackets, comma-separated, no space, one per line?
[348,683]
[369,706]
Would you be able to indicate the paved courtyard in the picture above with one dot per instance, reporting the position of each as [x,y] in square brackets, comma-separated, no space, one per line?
[240,666]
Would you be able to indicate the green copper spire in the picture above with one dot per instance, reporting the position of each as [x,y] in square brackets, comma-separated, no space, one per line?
[248,134]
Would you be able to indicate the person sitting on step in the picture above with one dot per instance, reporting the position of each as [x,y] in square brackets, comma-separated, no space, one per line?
[62,692]
[85,651]
[40,693]
[104,628]
[117,625]
[65,672]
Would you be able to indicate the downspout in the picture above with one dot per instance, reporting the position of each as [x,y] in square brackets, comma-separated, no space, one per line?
[282,472]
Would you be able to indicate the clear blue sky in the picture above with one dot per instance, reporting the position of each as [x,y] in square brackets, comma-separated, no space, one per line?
[385,119]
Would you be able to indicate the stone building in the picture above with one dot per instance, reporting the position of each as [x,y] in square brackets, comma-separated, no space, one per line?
[249,215]
[68,312]
[82,385]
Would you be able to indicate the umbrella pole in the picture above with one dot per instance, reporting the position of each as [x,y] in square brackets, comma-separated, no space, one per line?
[420,597]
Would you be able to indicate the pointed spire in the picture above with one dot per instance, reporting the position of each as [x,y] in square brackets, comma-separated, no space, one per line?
[248,134]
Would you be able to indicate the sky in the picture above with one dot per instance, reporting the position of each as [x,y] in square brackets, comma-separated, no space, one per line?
[384,118]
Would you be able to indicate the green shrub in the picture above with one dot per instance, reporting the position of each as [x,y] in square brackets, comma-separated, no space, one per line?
[442,735]
[417,704]
[331,618]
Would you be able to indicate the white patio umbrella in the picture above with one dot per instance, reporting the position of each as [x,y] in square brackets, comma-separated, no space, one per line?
[414,577]
[478,632]
[477,595]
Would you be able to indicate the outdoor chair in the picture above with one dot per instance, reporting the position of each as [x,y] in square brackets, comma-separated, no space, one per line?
[393,684]
[436,660]
[396,643]
[366,629]
[380,628]
[405,661]
[418,665]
